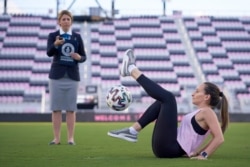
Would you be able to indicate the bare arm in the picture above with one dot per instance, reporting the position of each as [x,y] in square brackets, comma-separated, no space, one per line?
[217,139]
[198,151]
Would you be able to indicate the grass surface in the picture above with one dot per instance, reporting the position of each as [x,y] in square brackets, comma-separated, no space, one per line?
[26,145]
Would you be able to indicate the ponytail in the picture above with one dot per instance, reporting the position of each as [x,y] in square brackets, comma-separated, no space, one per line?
[224,112]
[218,99]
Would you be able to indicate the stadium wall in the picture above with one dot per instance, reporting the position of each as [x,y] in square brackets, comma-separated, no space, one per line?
[90,116]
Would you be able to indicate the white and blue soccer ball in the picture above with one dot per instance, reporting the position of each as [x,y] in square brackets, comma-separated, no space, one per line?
[118,98]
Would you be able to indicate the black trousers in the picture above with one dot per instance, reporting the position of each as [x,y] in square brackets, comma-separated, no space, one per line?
[164,112]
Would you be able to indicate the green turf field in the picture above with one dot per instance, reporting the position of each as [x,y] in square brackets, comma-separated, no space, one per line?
[26,145]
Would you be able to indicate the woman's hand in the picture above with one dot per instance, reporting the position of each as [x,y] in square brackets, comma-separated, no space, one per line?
[199,157]
[75,56]
[194,154]
[58,41]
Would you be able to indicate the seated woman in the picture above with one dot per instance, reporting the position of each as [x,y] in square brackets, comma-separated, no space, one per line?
[169,140]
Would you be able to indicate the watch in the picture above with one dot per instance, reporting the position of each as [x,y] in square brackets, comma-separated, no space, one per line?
[204,154]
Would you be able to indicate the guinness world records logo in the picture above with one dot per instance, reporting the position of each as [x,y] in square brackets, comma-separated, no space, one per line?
[67,48]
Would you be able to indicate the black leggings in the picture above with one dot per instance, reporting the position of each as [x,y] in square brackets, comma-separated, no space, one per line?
[164,111]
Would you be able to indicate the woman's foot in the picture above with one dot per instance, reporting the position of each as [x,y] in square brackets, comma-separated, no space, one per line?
[128,59]
[124,134]
[71,143]
[54,143]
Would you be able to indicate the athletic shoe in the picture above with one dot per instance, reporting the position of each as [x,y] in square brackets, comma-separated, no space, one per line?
[54,143]
[128,59]
[71,143]
[123,134]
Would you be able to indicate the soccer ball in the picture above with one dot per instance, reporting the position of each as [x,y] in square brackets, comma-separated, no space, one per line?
[118,98]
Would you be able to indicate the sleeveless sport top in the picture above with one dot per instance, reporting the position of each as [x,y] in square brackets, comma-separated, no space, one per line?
[188,139]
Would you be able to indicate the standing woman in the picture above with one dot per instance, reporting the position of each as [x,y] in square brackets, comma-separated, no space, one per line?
[67,49]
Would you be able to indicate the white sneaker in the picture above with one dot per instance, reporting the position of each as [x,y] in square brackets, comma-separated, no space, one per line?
[128,59]
[123,134]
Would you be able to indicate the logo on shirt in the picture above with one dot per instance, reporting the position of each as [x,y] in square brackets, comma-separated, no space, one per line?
[68,48]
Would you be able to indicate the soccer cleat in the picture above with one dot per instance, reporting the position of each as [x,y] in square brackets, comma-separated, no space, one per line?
[123,134]
[128,59]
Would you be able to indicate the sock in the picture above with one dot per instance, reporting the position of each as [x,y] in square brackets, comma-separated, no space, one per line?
[131,67]
[133,131]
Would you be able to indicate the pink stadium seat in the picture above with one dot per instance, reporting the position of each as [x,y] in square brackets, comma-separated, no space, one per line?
[221,45]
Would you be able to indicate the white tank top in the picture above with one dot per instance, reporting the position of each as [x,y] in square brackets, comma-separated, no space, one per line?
[188,139]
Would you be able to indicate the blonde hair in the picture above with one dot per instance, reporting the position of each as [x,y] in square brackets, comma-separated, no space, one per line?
[64,12]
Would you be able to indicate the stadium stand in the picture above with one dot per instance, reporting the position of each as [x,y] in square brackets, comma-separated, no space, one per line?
[222,46]
[177,52]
